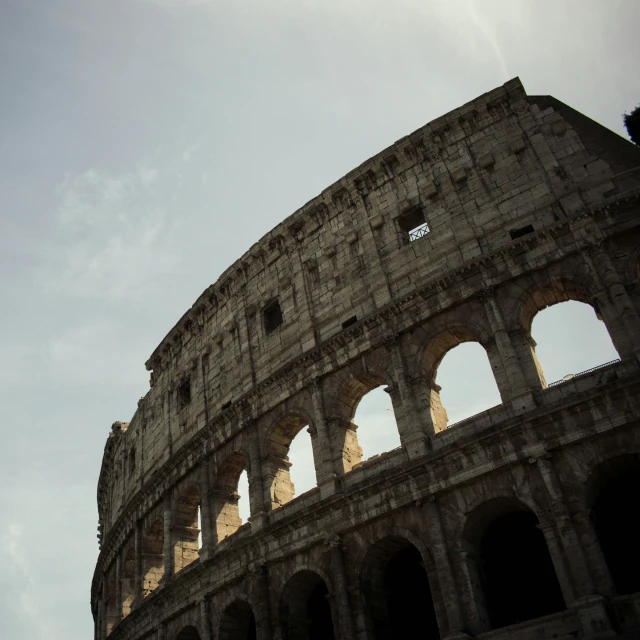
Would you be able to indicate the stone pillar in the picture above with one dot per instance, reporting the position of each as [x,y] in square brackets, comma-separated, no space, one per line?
[471,598]
[593,553]
[444,570]
[549,531]
[325,474]
[623,314]
[261,602]
[205,619]
[104,607]
[161,632]
[589,605]
[168,547]
[118,603]
[342,604]
[137,580]
[256,482]
[511,379]
[581,578]
[208,533]
[412,433]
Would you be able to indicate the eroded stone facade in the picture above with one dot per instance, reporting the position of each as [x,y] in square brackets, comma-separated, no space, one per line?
[462,231]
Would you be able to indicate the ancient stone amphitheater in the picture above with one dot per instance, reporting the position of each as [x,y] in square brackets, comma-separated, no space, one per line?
[519,522]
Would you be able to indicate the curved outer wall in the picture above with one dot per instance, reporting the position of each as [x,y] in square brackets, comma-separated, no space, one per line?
[527,203]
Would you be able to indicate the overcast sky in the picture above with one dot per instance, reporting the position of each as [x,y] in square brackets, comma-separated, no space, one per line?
[146,144]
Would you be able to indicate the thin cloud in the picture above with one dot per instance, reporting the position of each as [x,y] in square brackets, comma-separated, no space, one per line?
[113,236]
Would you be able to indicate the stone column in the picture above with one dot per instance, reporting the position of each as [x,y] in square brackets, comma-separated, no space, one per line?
[262,604]
[623,314]
[589,605]
[444,570]
[511,380]
[208,534]
[137,580]
[118,603]
[581,578]
[205,619]
[255,472]
[593,553]
[344,444]
[104,607]
[549,531]
[412,433]
[342,604]
[324,467]
[168,547]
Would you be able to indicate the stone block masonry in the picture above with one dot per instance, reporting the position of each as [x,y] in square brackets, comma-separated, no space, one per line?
[514,523]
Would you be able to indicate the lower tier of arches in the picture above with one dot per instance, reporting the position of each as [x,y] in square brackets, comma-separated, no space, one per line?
[541,546]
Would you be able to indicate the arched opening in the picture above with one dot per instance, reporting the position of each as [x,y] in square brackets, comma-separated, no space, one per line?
[112,605]
[238,622]
[128,579]
[376,423]
[465,385]
[152,557]
[290,444]
[613,496]
[185,530]
[226,496]
[510,561]
[305,612]
[188,633]
[569,338]
[244,507]
[396,591]
[365,396]
[461,381]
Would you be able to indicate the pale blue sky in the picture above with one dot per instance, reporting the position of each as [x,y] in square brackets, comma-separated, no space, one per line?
[146,144]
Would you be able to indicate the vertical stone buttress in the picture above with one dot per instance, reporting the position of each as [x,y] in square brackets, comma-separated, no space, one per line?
[168,547]
[205,510]
[444,570]
[342,606]
[260,579]
[137,585]
[118,603]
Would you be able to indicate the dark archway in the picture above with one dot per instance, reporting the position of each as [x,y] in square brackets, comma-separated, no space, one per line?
[238,622]
[188,633]
[305,612]
[519,579]
[397,594]
[615,490]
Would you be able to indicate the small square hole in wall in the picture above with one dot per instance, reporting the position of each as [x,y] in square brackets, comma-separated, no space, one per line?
[413,224]
[522,231]
[272,315]
[184,393]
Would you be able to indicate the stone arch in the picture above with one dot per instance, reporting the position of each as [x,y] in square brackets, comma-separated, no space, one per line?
[396,589]
[112,613]
[346,450]
[128,578]
[225,494]
[238,622]
[509,564]
[539,296]
[611,492]
[152,556]
[278,485]
[185,527]
[188,633]
[305,612]
[437,346]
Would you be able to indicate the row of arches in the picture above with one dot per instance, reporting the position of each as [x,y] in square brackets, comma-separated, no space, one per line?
[513,575]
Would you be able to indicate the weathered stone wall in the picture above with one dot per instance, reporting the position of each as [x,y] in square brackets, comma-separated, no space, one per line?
[527,204]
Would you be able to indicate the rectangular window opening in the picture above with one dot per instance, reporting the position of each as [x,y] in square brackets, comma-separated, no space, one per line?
[272,315]
[522,231]
[184,393]
[349,322]
[414,224]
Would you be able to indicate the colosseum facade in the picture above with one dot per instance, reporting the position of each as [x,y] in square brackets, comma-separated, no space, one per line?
[516,523]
